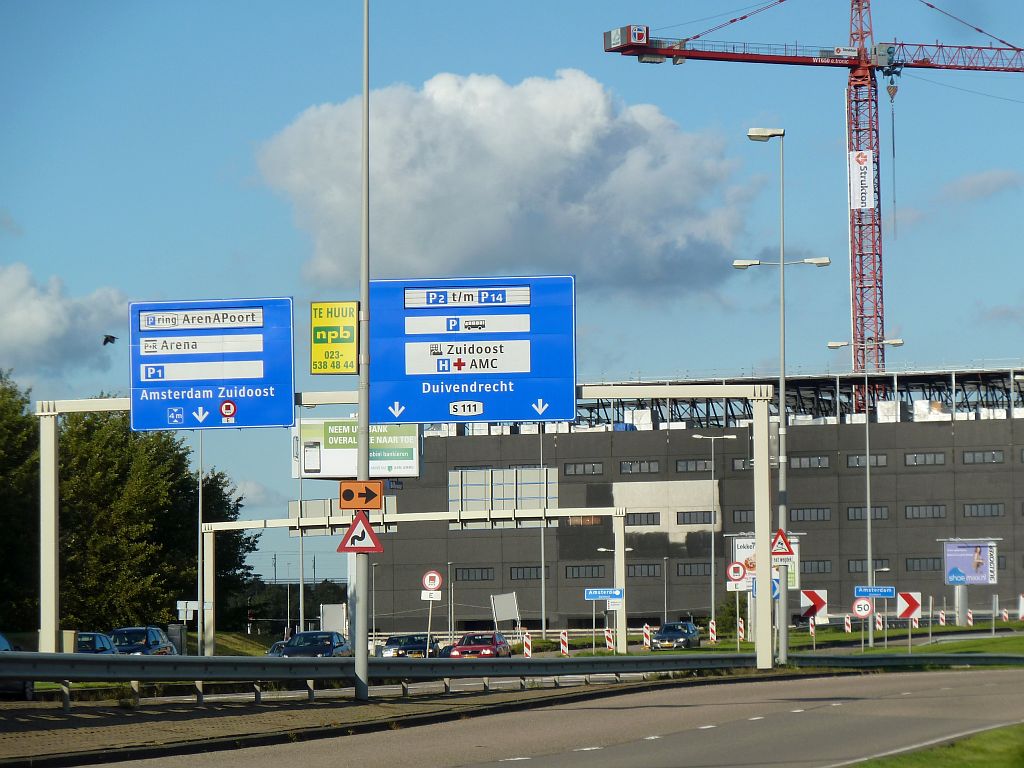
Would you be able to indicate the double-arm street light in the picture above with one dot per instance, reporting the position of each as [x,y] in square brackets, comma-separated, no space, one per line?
[714,507]
[764,134]
[869,564]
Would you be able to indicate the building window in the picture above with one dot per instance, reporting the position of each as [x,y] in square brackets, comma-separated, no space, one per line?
[983,457]
[743,516]
[693,569]
[643,518]
[584,571]
[584,468]
[923,511]
[738,465]
[693,465]
[527,573]
[857,513]
[694,518]
[474,574]
[857,566]
[983,510]
[583,520]
[808,462]
[643,570]
[810,514]
[924,563]
[1001,562]
[639,467]
[923,459]
[815,566]
[857,460]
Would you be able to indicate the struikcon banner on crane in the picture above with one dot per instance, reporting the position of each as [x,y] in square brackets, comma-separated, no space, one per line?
[862,179]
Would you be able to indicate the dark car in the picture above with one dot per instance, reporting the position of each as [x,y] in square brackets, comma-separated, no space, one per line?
[317,644]
[94,642]
[26,689]
[275,649]
[412,646]
[676,634]
[143,641]
[481,645]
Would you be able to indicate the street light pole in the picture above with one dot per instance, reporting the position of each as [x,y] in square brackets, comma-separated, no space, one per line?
[714,509]
[373,601]
[764,134]
[664,600]
[869,565]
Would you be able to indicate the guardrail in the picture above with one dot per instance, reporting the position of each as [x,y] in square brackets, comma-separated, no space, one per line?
[64,667]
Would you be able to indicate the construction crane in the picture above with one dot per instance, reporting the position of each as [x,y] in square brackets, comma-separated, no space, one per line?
[864,59]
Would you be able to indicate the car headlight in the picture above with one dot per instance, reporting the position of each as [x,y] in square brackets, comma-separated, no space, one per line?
[486,652]
[455,653]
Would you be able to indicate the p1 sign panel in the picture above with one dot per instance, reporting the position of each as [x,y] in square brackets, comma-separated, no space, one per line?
[472,349]
[218,364]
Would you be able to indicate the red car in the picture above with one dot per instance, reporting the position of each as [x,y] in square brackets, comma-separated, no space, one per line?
[481,645]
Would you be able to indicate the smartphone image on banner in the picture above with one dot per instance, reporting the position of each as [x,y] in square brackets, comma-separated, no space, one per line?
[311,456]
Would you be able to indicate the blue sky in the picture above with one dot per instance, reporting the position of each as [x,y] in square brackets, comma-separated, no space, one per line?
[172,151]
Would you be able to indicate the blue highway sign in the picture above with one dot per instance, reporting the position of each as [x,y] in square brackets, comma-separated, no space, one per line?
[775,588]
[602,593]
[218,364]
[875,591]
[472,350]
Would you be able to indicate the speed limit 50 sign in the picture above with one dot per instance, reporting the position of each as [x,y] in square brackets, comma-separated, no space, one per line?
[861,607]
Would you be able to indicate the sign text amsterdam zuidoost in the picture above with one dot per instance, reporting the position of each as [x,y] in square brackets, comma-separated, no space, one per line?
[327,449]
[223,363]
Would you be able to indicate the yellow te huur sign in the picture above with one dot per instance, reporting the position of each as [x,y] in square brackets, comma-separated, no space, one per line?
[334,338]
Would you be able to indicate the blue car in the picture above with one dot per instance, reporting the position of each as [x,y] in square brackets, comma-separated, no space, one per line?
[143,641]
[26,689]
[94,642]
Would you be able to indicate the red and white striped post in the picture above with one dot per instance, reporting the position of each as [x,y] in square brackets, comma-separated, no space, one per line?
[647,635]
[527,646]
[609,639]
[810,625]
[563,642]
[847,624]
[970,618]
[1006,614]
[878,622]
[916,622]
[712,632]
[741,630]
[942,618]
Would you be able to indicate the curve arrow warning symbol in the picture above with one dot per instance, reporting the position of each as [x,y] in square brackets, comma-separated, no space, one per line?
[360,536]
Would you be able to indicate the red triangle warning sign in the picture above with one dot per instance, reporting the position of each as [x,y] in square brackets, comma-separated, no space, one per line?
[360,536]
[780,544]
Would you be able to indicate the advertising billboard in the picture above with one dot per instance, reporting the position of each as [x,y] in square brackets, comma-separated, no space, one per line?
[970,562]
[326,449]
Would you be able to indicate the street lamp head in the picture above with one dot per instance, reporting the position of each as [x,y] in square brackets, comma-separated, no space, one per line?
[713,437]
[838,344]
[744,263]
[882,570]
[818,261]
[605,549]
[763,134]
[892,342]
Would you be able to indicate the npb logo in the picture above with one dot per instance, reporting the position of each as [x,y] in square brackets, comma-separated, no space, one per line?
[333,334]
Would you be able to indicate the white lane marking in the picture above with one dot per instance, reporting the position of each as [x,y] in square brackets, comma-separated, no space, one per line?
[759,717]
[651,738]
[796,711]
[706,727]
[907,693]
[837,704]
[587,749]
[513,759]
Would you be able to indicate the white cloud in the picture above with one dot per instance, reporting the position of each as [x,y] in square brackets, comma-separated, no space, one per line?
[43,330]
[981,186]
[473,176]
[9,225]
[256,495]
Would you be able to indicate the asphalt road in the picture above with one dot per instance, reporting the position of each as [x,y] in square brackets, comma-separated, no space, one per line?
[799,723]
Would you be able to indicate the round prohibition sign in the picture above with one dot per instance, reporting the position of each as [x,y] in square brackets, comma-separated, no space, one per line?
[736,571]
[862,607]
[228,408]
[432,581]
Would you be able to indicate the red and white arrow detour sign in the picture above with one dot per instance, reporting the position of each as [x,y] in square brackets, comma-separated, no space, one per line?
[908,605]
[814,603]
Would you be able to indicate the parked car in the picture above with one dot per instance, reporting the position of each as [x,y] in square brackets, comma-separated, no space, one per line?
[413,646]
[477,645]
[94,642]
[317,644]
[676,634]
[143,641]
[275,649]
[26,689]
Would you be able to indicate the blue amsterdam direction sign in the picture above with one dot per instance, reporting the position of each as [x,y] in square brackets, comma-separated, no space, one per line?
[218,364]
[472,349]
[875,591]
[602,593]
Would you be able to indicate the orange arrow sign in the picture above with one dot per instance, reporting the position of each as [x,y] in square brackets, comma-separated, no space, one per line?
[361,494]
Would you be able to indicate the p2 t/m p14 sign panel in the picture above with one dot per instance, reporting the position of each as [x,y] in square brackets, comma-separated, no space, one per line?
[219,364]
[473,350]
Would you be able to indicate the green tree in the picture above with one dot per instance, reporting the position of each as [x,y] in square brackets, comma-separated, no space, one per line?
[19,508]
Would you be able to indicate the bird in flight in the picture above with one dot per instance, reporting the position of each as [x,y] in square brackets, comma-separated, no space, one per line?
[108,339]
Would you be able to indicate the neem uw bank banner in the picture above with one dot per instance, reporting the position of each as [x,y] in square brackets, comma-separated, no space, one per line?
[326,449]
